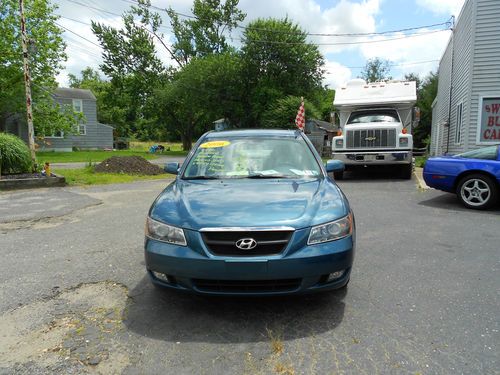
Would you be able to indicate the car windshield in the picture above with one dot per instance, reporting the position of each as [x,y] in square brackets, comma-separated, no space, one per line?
[362,117]
[487,153]
[252,157]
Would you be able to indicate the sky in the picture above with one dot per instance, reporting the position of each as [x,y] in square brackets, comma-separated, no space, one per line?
[416,51]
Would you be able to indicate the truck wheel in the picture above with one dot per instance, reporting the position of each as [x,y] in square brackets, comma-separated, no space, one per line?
[407,171]
[338,175]
[477,191]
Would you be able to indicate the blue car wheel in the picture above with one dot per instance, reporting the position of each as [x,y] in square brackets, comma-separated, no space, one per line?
[477,191]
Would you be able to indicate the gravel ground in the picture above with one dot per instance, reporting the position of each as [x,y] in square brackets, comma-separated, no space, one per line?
[423,297]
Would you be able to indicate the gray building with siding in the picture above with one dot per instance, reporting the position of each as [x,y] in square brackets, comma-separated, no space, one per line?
[466,111]
[90,135]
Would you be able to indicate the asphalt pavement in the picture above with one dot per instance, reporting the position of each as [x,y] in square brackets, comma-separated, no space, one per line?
[74,297]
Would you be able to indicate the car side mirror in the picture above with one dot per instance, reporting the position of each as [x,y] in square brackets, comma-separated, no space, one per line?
[172,168]
[334,166]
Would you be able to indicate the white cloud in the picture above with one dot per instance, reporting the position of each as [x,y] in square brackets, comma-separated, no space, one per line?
[405,52]
[446,7]
[337,74]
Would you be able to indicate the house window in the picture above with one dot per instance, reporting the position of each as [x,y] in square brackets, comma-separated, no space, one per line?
[77,105]
[82,130]
[57,134]
[458,126]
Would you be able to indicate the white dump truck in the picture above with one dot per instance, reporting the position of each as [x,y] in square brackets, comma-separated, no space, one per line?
[376,124]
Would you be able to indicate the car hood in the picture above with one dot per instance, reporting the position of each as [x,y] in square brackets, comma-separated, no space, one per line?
[249,203]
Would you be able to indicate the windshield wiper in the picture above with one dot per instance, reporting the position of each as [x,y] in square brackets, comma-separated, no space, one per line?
[201,178]
[263,175]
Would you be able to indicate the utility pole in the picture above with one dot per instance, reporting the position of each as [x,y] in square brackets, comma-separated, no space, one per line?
[27,83]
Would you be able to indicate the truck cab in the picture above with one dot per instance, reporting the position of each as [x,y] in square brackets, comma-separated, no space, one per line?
[376,122]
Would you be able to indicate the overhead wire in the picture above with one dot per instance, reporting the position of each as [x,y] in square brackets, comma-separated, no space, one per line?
[447,23]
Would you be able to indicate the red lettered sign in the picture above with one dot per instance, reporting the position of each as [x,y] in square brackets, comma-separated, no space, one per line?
[490,120]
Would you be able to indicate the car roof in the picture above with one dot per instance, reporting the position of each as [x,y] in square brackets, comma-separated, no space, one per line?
[252,133]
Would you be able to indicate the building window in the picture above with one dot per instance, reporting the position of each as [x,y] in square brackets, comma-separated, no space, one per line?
[57,134]
[458,124]
[77,105]
[82,130]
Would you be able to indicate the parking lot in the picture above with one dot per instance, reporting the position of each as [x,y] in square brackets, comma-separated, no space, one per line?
[74,297]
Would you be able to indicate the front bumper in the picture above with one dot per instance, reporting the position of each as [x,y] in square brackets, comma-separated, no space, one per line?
[307,266]
[381,157]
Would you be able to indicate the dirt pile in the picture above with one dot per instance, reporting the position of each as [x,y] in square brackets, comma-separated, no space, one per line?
[129,165]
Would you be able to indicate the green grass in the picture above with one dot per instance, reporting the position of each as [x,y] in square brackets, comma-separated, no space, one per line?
[136,149]
[87,176]
[420,161]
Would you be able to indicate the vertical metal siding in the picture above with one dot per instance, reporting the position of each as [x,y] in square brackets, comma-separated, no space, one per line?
[462,55]
[440,110]
[486,68]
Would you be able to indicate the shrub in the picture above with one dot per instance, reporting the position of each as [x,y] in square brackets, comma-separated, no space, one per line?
[15,155]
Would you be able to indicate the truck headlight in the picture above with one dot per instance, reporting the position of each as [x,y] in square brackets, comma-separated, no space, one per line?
[339,143]
[331,231]
[403,142]
[165,233]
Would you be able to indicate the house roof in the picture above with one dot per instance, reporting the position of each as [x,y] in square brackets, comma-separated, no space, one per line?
[71,93]
[323,124]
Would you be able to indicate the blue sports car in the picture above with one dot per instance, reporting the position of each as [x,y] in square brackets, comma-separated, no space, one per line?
[474,176]
[251,212]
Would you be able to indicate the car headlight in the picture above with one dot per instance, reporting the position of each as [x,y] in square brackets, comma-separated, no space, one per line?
[339,143]
[163,232]
[331,231]
[403,141]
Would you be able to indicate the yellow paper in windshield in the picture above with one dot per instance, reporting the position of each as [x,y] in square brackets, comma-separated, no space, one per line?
[215,144]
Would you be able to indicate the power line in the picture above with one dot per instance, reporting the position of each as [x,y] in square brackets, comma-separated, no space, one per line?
[102,11]
[347,43]
[298,43]
[390,65]
[446,23]
[78,35]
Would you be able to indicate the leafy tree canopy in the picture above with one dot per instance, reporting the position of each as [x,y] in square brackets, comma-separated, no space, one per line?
[46,54]
[375,70]
[205,33]
[278,62]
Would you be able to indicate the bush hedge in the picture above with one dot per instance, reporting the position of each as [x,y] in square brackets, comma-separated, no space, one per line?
[15,155]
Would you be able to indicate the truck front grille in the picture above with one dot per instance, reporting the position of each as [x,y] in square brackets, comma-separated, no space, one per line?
[371,138]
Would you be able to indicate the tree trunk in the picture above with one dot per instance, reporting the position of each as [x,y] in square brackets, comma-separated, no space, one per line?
[187,139]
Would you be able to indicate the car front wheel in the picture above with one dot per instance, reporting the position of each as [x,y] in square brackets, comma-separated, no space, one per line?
[477,191]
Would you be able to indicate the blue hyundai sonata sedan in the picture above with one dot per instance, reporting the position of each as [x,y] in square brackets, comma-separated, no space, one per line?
[251,212]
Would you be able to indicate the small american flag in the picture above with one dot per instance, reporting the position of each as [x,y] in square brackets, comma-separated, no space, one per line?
[300,119]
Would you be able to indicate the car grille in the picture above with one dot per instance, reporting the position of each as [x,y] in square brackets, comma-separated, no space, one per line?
[246,286]
[371,138]
[268,242]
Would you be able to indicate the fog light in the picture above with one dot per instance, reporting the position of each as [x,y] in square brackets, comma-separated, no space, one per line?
[334,276]
[166,278]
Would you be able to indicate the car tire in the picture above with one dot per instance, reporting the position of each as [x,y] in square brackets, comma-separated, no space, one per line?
[338,175]
[477,191]
[406,171]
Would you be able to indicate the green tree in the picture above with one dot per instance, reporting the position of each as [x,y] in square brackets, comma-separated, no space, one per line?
[205,33]
[426,93]
[282,112]
[203,91]
[46,48]
[278,61]
[375,70]
[130,60]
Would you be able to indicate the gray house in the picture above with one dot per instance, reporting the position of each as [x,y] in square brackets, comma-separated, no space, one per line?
[466,111]
[90,135]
